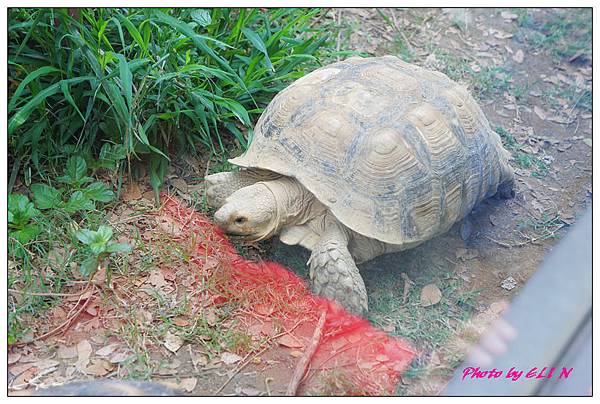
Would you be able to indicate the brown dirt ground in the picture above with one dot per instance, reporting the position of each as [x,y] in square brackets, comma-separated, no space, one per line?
[509,237]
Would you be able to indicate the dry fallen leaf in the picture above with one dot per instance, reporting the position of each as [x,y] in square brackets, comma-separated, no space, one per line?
[120,357]
[502,35]
[169,226]
[430,295]
[156,278]
[540,112]
[247,391]
[210,316]
[173,342]
[131,192]
[107,350]
[199,358]
[84,350]
[288,341]
[181,321]
[296,354]
[519,56]
[188,384]
[264,309]
[99,368]
[229,358]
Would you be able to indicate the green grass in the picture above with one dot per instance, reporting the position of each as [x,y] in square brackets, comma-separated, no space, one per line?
[151,80]
[523,160]
[543,227]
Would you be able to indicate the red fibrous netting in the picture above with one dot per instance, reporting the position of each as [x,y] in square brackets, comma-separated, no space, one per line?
[366,359]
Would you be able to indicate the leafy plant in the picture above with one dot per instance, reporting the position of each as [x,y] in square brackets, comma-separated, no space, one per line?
[82,197]
[21,219]
[99,245]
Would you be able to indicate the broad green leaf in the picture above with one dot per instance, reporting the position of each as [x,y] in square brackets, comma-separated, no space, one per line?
[98,191]
[20,210]
[76,169]
[26,234]
[105,233]
[119,248]
[88,266]
[78,203]
[86,236]
[46,197]
[202,17]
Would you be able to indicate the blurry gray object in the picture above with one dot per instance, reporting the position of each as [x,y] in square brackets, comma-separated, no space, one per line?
[552,317]
[109,388]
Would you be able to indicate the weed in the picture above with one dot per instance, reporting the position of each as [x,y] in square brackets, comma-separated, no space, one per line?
[544,227]
[44,234]
[521,159]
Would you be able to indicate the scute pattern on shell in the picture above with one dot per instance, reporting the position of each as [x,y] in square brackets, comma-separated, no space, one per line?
[397,152]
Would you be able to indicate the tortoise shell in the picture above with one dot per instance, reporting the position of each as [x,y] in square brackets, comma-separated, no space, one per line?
[396,152]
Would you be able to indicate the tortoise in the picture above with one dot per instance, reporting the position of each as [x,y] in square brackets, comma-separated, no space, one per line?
[360,158]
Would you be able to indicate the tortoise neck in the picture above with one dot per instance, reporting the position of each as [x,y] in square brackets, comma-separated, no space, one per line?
[294,204]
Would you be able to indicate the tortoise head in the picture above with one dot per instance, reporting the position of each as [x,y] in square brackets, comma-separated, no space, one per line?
[250,212]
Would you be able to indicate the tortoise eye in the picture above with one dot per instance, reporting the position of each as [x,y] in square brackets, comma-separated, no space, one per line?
[240,220]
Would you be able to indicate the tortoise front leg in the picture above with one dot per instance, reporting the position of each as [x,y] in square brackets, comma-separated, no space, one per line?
[334,273]
[220,185]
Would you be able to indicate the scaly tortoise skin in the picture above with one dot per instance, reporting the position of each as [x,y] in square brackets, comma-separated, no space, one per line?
[394,155]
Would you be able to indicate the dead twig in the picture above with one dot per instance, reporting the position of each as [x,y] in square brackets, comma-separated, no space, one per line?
[305,359]
[515,245]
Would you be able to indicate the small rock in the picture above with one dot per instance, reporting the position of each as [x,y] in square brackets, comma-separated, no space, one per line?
[430,295]
[519,56]
[509,283]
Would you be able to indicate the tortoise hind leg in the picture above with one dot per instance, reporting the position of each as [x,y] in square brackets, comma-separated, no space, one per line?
[220,185]
[334,273]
